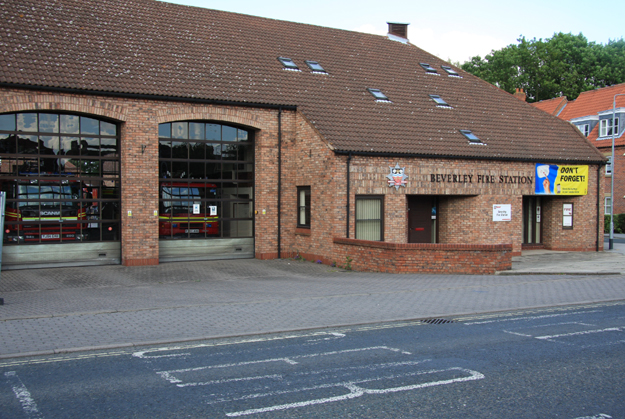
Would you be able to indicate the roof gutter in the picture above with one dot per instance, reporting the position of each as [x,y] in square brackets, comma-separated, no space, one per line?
[449,156]
[149,96]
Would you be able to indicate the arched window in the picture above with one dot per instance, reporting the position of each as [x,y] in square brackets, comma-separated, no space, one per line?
[206,177]
[61,174]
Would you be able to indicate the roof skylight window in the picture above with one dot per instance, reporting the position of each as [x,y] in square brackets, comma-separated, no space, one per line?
[428,68]
[288,64]
[379,96]
[440,101]
[315,66]
[473,139]
[450,71]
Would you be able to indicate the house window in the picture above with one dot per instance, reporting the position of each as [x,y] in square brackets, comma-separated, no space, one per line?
[303,206]
[605,127]
[439,101]
[315,66]
[450,71]
[288,64]
[584,129]
[608,166]
[608,205]
[379,96]
[473,139]
[369,216]
[428,68]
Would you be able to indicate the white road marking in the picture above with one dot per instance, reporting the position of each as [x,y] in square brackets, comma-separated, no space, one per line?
[233,380]
[334,336]
[542,326]
[518,334]
[357,391]
[599,416]
[169,375]
[586,332]
[516,319]
[369,367]
[23,395]
[144,354]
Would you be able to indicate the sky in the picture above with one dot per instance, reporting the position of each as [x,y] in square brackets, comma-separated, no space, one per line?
[454,30]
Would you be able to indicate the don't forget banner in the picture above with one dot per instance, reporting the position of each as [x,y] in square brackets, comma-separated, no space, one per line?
[553,179]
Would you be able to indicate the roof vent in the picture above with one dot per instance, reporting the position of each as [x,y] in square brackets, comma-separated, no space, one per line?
[398,31]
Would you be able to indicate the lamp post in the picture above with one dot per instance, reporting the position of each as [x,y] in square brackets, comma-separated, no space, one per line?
[614,129]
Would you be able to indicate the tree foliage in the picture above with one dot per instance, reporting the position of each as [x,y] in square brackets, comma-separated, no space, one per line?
[563,65]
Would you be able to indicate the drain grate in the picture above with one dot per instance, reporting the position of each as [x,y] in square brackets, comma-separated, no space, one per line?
[437,321]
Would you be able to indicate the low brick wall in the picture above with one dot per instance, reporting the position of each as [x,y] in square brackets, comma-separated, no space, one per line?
[423,258]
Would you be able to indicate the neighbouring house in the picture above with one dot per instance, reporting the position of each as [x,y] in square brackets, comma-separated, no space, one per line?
[140,132]
[595,113]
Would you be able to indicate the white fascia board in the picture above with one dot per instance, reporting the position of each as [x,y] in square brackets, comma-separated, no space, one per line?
[585,119]
[609,111]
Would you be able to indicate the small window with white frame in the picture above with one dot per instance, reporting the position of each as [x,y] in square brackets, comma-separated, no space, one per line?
[608,166]
[584,129]
[608,205]
[605,127]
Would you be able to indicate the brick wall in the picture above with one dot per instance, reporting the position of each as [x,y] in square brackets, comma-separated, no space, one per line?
[467,189]
[139,121]
[426,258]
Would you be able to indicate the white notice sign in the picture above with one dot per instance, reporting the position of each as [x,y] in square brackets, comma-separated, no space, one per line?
[196,208]
[502,212]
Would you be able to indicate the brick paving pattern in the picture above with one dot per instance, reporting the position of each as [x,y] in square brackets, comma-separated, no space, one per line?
[66,309]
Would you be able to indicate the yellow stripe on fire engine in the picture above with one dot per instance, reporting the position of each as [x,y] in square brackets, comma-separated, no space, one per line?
[188,218]
[49,218]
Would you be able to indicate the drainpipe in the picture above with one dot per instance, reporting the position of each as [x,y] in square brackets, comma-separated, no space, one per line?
[279,179]
[349,159]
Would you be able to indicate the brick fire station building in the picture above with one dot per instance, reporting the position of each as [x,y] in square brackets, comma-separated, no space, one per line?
[139,132]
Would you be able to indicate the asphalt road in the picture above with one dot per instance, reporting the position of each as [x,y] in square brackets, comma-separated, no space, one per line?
[564,362]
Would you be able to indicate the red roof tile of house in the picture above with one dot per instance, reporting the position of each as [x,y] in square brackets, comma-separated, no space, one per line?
[147,47]
[551,106]
[594,101]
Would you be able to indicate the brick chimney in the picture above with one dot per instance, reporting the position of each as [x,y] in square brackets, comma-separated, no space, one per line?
[520,94]
[398,29]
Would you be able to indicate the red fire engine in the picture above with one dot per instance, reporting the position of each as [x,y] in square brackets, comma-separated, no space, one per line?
[185,212]
[45,211]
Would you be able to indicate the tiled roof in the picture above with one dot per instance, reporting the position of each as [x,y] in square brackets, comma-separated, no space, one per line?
[147,47]
[594,101]
[551,106]
[589,104]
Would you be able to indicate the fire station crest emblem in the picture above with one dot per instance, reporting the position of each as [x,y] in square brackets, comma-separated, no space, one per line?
[397,177]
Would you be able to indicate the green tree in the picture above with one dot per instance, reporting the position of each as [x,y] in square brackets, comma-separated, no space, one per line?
[564,65]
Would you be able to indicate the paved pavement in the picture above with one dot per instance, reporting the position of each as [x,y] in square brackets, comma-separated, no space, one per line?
[59,310]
